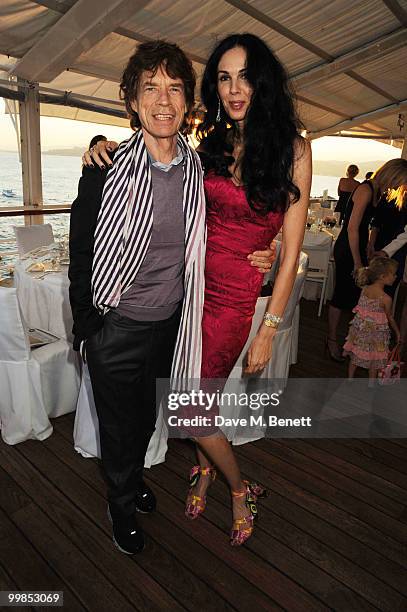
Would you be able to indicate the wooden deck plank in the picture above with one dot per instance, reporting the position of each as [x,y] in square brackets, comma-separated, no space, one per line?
[291,488]
[377,452]
[311,341]
[368,473]
[386,445]
[332,534]
[332,578]
[89,585]
[258,567]
[26,566]
[101,550]
[91,505]
[321,549]
[7,584]
[162,534]
[239,592]
[402,442]
[284,558]
[373,508]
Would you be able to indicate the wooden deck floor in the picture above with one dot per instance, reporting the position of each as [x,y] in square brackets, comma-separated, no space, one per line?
[332,535]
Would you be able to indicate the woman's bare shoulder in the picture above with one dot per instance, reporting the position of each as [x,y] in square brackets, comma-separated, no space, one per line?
[363,189]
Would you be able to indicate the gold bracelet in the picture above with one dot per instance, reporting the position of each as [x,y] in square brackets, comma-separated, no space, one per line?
[272,320]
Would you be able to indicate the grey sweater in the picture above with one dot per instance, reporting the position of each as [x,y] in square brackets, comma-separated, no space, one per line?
[158,288]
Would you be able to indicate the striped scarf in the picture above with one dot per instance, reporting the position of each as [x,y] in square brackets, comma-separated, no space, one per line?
[123,234]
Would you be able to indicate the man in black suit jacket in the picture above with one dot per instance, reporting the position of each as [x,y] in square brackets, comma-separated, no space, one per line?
[84,213]
[132,344]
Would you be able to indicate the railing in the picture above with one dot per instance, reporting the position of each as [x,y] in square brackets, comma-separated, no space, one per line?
[31,214]
[28,211]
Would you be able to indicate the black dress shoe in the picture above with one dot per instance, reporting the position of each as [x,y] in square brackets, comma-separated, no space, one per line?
[145,499]
[127,534]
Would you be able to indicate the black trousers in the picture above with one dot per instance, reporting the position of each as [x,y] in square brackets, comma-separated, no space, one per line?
[124,358]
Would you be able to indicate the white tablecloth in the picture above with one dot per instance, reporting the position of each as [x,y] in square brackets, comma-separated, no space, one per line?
[315,238]
[45,302]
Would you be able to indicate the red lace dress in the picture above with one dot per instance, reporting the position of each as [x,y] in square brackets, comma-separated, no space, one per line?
[232,284]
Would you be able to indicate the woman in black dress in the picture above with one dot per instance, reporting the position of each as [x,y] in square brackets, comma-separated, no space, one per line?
[346,186]
[389,220]
[350,250]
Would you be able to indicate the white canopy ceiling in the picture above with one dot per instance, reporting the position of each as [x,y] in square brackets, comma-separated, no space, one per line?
[346,58]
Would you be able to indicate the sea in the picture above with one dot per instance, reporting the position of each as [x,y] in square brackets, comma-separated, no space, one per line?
[60,176]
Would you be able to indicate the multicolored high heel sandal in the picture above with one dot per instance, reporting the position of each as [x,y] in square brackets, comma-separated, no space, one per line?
[242,528]
[195,504]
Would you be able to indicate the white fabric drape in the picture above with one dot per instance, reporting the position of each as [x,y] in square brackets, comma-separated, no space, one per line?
[35,385]
[86,427]
[45,303]
[285,347]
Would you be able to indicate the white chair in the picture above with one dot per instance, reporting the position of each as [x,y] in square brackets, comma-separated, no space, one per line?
[30,237]
[35,384]
[285,343]
[318,266]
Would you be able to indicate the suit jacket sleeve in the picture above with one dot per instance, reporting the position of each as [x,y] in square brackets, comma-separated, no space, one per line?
[396,244]
[84,212]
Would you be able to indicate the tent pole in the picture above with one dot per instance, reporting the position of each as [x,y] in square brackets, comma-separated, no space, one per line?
[31,151]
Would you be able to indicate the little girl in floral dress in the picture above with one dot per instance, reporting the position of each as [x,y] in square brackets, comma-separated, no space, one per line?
[368,340]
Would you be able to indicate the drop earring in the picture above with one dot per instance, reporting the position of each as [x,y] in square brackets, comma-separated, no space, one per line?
[218,115]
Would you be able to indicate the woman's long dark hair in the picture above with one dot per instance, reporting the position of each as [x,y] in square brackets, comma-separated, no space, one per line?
[271,126]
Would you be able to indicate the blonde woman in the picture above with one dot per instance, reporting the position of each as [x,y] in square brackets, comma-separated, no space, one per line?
[346,186]
[351,244]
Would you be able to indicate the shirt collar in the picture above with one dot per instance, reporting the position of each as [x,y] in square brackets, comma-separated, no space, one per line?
[166,167]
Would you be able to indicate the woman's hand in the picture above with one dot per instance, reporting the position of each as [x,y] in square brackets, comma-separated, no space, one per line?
[263,260]
[98,154]
[260,350]
[357,265]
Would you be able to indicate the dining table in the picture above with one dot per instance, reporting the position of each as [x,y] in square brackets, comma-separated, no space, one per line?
[41,280]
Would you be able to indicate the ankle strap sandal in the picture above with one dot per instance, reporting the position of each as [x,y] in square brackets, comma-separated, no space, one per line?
[196,504]
[242,528]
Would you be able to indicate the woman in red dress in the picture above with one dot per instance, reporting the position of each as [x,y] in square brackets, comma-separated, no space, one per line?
[257,180]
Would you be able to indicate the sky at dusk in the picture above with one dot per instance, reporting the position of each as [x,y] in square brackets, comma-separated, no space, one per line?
[65,133]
